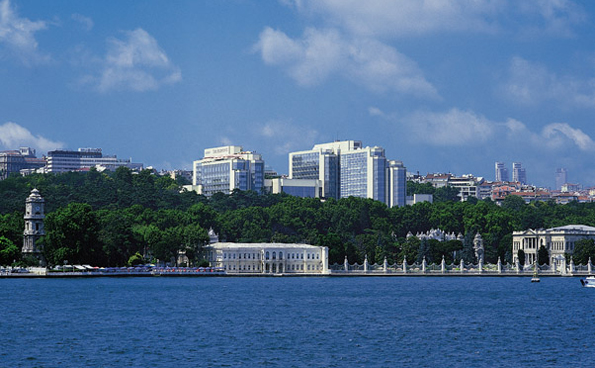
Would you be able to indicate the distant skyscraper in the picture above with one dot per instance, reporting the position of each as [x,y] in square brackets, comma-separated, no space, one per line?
[561,178]
[397,184]
[224,169]
[501,172]
[518,173]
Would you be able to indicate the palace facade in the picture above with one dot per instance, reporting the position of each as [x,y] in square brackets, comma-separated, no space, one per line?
[558,241]
[264,258]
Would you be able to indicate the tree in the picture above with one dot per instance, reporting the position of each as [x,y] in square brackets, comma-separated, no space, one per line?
[513,203]
[583,250]
[8,251]
[72,235]
[543,256]
[521,256]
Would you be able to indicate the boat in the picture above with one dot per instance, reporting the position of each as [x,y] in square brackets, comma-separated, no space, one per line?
[588,281]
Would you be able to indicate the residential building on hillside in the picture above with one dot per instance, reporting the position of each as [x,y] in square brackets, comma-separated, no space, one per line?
[569,187]
[438,180]
[14,161]
[468,186]
[84,159]
[558,241]
[223,169]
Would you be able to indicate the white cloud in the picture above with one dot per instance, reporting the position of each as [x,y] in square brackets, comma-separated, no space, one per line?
[466,128]
[136,63]
[322,53]
[557,132]
[532,84]
[415,17]
[17,34]
[274,136]
[12,136]
[452,128]
[85,22]
[284,137]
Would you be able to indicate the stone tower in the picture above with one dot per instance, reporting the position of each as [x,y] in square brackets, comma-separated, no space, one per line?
[34,215]
[478,247]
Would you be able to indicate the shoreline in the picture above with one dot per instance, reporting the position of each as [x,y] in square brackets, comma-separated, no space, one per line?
[337,274]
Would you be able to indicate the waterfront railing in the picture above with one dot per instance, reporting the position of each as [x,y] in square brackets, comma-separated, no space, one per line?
[558,268]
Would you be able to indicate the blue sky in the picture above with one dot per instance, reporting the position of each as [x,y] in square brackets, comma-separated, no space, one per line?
[444,86]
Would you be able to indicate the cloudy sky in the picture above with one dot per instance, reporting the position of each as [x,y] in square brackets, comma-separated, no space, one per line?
[443,85]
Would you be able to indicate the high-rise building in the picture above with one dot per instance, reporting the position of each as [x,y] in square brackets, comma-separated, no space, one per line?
[346,168]
[223,169]
[518,173]
[320,163]
[396,184]
[85,158]
[501,172]
[561,177]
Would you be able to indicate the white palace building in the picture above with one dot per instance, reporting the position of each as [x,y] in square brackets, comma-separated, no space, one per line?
[558,241]
[267,258]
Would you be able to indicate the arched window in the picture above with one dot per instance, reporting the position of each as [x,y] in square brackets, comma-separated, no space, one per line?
[280,255]
[274,255]
[267,256]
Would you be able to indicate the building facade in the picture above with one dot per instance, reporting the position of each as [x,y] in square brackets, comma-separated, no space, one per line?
[397,184]
[558,241]
[305,188]
[501,172]
[561,177]
[268,258]
[15,161]
[83,159]
[347,169]
[223,169]
[320,163]
[34,216]
[519,174]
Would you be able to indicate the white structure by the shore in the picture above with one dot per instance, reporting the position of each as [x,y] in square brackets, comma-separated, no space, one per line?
[268,258]
[558,241]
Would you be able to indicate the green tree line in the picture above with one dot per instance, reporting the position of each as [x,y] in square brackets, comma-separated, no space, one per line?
[120,218]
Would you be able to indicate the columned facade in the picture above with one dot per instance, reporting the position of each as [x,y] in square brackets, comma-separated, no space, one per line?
[268,258]
[558,241]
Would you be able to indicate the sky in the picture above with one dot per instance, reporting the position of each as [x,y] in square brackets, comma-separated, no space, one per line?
[442,85]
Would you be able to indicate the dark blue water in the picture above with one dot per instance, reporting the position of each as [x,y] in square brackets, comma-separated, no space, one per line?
[297,322]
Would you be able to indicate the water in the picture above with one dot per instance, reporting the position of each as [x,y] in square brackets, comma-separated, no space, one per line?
[297,322]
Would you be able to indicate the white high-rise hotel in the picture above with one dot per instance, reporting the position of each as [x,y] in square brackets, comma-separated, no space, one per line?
[346,168]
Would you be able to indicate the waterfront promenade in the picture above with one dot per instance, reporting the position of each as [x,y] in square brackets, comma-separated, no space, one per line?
[561,268]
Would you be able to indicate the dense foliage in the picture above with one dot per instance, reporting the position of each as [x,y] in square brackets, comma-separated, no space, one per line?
[121,218]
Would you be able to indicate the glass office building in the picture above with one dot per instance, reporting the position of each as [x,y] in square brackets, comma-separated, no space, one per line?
[319,164]
[224,169]
[347,169]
